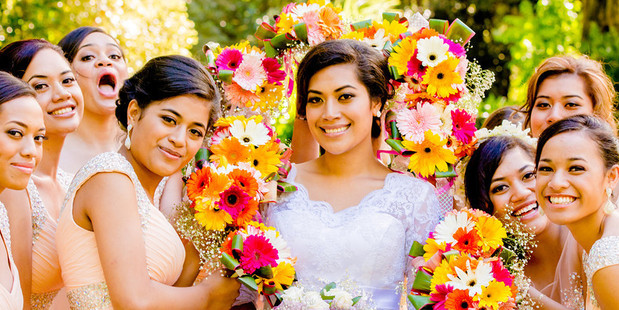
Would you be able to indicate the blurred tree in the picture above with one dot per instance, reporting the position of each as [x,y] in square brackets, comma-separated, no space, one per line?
[144,30]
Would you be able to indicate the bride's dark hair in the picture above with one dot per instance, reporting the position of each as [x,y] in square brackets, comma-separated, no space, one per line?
[166,77]
[372,70]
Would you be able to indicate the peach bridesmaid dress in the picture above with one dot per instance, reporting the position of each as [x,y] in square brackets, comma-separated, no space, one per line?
[77,247]
[46,277]
[9,299]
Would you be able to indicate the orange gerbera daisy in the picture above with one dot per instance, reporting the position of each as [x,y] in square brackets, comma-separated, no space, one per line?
[330,23]
[245,181]
[229,151]
[467,242]
[212,184]
[265,161]
[247,214]
[197,182]
[424,33]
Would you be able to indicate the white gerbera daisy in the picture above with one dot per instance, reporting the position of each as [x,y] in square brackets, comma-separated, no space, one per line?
[446,229]
[379,40]
[472,280]
[431,51]
[251,133]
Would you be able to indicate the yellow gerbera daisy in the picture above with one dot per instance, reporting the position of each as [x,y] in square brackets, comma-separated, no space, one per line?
[440,274]
[270,95]
[229,151]
[353,35]
[430,155]
[496,292]
[283,275]
[264,160]
[441,78]
[227,121]
[285,23]
[431,247]
[491,232]
[402,53]
[210,216]
[393,29]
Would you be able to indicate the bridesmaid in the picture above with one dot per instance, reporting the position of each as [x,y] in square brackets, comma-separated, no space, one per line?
[116,248]
[100,68]
[21,148]
[42,65]
[500,178]
[577,166]
[563,86]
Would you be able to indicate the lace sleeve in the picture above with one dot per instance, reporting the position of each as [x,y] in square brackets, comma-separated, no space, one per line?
[422,216]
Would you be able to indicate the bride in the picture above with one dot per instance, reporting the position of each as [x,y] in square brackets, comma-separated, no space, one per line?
[351,219]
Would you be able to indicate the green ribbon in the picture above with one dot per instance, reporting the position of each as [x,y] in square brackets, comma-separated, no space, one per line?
[440,25]
[285,187]
[459,32]
[265,272]
[394,73]
[325,290]
[229,261]
[281,41]
[420,302]
[397,146]
[361,24]
[451,172]
[451,253]
[264,32]
[269,50]
[391,16]
[301,31]
[226,75]
[423,280]
[356,300]
[249,282]
[202,155]
[237,244]
[416,249]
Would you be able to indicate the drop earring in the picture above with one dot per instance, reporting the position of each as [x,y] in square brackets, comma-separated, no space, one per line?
[128,139]
[609,206]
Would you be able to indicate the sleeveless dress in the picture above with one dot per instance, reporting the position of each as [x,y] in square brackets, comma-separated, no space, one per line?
[77,248]
[46,277]
[367,244]
[14,299]
[603,253]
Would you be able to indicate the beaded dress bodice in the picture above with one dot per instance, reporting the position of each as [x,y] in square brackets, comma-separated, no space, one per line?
[367,243]
[77,248]
[603,253]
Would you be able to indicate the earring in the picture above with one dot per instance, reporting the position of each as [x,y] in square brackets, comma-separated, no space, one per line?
[609,206]
[128,139]
[378,114]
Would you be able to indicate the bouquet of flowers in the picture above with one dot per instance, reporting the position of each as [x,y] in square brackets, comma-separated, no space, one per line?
[329,297]
[463,265]
[249,78]
[260,258]
[432,119]
[301,23]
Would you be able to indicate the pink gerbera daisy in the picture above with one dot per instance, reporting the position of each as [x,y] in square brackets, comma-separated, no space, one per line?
[219,135]
[454,47]
[416,69]
[237,96]
[233,200]
[440,296]
[414,123]
[463,125]
[250,74]
[501,274]
[229,59]
[274,74]
[258,252]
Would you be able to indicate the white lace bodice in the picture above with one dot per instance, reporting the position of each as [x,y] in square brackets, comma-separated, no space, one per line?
[367,243]
[603,253]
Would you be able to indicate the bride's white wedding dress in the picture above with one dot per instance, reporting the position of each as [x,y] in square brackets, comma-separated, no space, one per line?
[367,243]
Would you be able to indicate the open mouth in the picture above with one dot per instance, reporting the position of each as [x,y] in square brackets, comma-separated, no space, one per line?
[526,210]
[561,200]
[107,84]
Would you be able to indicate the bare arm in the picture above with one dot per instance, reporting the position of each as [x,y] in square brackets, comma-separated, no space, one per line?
[304,147]
[109,201]
[18,209]
[606,286]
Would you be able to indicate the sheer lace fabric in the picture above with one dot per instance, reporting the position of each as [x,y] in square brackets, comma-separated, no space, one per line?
[367,243]
[604,253]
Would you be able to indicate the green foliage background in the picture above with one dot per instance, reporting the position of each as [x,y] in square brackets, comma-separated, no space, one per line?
[512,38]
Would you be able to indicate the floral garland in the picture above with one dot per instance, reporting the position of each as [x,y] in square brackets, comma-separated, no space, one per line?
[465,262]
[343,296]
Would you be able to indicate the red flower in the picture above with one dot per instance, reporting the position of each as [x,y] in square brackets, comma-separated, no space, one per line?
[463,125]
[229,59]
[466,242]
[440,296]
[458,300]
[257,253]
[274,74]
[501,274]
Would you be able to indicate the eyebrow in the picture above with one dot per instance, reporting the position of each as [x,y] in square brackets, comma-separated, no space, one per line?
[180,116]
[338,89]
[45,76]
[519,170]
[92,44]
[566,96]
[24,125]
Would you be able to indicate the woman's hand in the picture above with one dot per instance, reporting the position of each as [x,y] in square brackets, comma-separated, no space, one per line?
[222,291]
